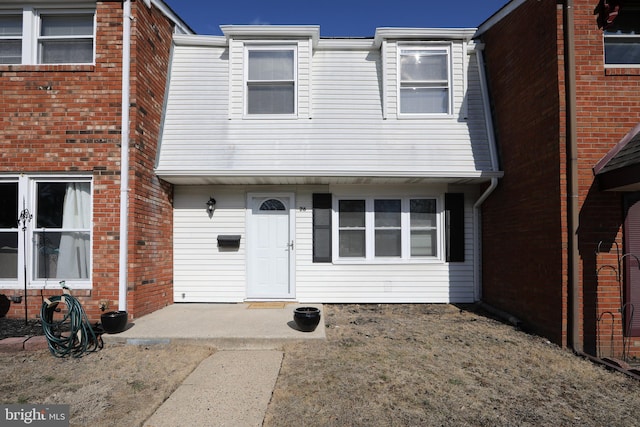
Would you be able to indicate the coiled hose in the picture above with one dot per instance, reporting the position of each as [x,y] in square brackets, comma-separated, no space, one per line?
[73,334]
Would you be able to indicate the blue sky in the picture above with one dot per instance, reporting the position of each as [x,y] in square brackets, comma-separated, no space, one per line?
[346,18]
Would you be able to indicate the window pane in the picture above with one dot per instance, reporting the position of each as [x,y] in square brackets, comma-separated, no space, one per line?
[9,199]
[62,255]
[627,22]
[423,243]
[272,205]
[387,213]
[50,203]
[271,65]
[352,243]
[10,25]
[63,205]
[423,65]
[622,50]
[422,212]
[9,255]
[388,243]
[424,100]
[625,49]
[351,213]
[66,25]
[271,99]
[10,52]
[66,51]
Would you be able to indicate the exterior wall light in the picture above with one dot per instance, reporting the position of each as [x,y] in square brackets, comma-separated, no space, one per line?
[211,205]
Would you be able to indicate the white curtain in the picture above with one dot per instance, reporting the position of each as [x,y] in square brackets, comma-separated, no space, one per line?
[74,253]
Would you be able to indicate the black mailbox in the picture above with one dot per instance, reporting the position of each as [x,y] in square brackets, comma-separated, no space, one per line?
[229,241]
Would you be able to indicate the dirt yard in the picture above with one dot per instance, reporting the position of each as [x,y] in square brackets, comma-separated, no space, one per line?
[437,365]
[382,365]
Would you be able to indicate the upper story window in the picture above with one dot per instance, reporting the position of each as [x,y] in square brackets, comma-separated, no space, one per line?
[47,36]
[10,38]
[622,38]
[425,82]
[270,80]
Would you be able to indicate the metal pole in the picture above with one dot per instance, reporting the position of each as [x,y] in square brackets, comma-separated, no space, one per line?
[24,218]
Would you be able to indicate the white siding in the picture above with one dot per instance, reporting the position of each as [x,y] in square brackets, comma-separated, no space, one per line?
[205,132]
[203,273]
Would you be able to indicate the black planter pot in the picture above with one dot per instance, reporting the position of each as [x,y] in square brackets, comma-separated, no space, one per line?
[5,303]
[306,318]
[114,321]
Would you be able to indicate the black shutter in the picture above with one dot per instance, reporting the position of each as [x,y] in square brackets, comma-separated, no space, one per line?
[631,232]
[454,226]
[322,227]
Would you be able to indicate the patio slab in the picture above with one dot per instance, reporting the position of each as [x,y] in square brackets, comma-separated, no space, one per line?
[242,326]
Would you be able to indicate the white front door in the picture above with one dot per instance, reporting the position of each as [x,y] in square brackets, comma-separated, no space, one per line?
[271,244]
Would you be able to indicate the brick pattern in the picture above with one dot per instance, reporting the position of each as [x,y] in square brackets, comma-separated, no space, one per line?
[67,119]
[525,222]
[523,244]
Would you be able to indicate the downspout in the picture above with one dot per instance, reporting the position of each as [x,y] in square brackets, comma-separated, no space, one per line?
[124,157]
[572,174]
[477,268]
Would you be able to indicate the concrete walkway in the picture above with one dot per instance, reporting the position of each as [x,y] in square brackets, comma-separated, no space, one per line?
[232,387]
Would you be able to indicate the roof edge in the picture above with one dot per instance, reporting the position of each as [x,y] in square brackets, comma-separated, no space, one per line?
[498,16]
[402,33]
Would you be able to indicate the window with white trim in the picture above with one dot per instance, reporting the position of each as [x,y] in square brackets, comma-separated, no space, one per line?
[622,38]
[52,242]
[386,229]
[425,80]
[47,36]
[270,80]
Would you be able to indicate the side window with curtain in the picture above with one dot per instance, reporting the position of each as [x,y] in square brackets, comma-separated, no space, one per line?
[62,233]
[9,231]
[322,227]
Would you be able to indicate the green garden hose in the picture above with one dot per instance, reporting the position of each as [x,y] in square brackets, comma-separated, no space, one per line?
[73,334]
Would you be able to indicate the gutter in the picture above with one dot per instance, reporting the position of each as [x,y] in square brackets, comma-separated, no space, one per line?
[477,267]
[572,173]
[124,157]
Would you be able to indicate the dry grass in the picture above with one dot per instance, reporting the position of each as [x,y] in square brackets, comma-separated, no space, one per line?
[415,365]
[382,365]
[116,386]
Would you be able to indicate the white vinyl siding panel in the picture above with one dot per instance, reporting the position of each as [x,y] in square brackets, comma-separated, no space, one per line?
[205,134]
[203,273]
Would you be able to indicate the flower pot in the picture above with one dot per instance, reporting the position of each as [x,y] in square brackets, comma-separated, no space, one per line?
[5,303]
[114,321]
[306,318]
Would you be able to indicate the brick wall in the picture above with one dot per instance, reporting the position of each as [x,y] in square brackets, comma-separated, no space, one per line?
[151,244]
[608,106]
[525,221]
[66,119]
[523,271]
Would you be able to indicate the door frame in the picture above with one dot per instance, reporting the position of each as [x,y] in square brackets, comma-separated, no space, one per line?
[251,197]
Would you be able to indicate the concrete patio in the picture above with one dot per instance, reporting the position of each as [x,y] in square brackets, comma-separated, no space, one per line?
[259,325]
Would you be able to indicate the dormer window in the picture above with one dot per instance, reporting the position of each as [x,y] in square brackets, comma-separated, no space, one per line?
[270,80]
[424,80]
